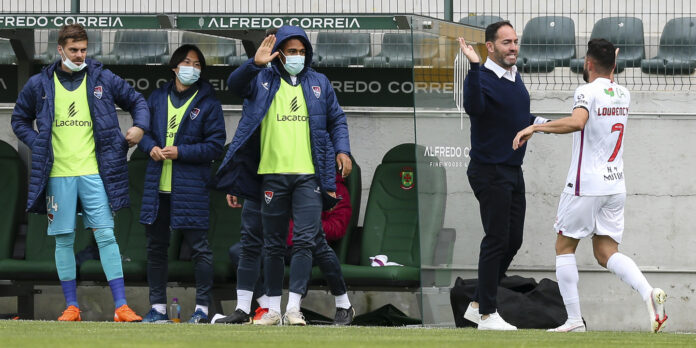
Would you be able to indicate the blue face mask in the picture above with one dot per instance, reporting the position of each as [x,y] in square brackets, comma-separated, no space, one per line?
[188,75]
[293,64]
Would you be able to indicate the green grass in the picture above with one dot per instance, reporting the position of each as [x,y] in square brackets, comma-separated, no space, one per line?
[103,334]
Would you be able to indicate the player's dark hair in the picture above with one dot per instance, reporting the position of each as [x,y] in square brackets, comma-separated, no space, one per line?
[71,31]
[602,52]
[180,54]
[492,30]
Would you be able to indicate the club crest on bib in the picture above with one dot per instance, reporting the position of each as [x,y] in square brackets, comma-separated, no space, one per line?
[98,92]
[194,113]
[268,195]
[317,91]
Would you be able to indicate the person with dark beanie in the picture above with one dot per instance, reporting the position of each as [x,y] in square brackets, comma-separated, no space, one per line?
[497,102]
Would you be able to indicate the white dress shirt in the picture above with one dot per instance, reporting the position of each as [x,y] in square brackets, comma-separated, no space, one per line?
[499,71]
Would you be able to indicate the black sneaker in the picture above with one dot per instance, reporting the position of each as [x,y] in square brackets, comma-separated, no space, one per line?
[344,316]
[238,317]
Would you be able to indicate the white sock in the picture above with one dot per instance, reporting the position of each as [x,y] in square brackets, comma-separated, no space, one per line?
[342,301]
[274,303]
[202,308]
[294,300]
[262,301]
[627,270]
[244,300]
[567,275]
[161,308]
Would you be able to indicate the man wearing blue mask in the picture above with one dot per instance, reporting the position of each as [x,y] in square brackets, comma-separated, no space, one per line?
[78,152]
[187,134]
[290,138]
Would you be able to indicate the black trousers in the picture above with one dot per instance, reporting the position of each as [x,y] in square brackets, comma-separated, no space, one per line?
[158,236]
[286,196]
[500,192]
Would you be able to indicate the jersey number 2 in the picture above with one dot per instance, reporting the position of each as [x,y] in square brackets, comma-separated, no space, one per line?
[620,128]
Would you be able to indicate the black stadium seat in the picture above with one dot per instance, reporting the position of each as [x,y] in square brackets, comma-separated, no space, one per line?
[625,33]
[547,42]
[677,51]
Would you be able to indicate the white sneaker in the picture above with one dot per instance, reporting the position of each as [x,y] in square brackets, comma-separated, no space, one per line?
[656,309]
[472,314]
[294,317]
[495,322]
[269,318]
[570,326]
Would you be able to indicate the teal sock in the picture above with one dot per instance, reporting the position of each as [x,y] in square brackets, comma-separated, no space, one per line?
[109,253]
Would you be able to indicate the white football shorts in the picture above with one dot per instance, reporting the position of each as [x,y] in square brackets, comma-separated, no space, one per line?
[583,216]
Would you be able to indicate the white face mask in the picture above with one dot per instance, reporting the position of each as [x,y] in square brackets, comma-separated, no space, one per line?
[72,66]
[188,75]
[293,64]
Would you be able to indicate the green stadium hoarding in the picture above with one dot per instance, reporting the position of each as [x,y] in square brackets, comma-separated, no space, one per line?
[317,22]
[192,22]
[31,21]
[363,87]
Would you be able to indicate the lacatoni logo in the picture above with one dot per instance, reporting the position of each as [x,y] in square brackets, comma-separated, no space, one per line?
[293,105]
[268,195]
[72,110]
[170,127]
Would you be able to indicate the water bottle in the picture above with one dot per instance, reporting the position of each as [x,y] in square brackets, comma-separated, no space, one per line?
[175,311]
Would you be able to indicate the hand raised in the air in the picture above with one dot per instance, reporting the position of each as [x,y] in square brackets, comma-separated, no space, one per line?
[263,54]
[468,51]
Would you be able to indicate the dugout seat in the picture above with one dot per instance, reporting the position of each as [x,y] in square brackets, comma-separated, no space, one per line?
[677,51]
[393,224]
[138,47]
[626,33]
[480,21]
[547,42]
[50,55]
[13,185]
[217,50]
[337,49]
[354,185]
[398,49]
[7,55]
[39,256]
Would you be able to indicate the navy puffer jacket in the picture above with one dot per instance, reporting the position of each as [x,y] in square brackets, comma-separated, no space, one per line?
[199,141]
[237,174]
[104,89]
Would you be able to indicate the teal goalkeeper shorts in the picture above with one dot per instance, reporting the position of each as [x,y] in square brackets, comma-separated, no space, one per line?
[62,194]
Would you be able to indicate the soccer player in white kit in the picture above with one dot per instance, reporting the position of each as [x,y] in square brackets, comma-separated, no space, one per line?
[592,202]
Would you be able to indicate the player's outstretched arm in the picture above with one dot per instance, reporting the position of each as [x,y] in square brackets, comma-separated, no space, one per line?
[575,122]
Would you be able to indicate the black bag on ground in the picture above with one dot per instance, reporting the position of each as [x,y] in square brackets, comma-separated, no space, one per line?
[521,302]
[387,315]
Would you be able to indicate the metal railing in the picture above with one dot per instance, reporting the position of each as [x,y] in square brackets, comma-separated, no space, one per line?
[656,69]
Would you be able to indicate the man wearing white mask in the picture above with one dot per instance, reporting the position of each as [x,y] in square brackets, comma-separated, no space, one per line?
[187,132]
[283,157]
[79,152]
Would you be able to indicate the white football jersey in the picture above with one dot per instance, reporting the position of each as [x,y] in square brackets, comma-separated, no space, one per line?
[596,167]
